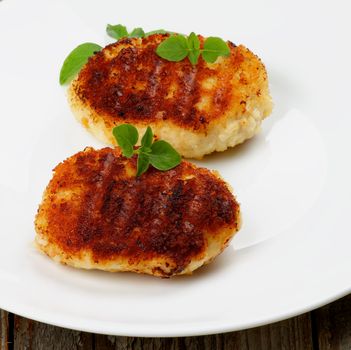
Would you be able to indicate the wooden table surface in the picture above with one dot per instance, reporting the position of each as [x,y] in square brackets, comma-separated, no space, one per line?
[326,328]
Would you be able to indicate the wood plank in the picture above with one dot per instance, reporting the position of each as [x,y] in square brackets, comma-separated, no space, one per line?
[292,334]
[29,334]
[4,330]
[332,324]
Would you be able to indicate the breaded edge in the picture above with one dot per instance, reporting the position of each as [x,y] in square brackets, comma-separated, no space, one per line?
[156,267]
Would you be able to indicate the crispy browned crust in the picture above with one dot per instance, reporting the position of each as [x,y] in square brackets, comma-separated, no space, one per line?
[95,203]
[127,82]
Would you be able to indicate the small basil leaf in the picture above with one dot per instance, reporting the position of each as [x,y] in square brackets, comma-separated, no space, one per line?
[194,47]
[145,149]
[174,48]
[148,137]
[116,31]
[142,163]
[137,33]
[163,156]
[214,47]
[159,31]
[126,136]
[76,60]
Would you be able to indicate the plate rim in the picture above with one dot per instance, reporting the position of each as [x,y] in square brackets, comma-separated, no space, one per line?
[199,331]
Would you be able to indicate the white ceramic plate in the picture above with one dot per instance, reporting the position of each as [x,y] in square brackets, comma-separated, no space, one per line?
[293,179]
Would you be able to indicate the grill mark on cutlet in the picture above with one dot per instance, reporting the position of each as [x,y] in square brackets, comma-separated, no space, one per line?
[187,96]
[154,79]
[157,214]
[109,85]
[94,199]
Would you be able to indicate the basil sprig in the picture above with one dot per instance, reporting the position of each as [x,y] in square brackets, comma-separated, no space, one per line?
[177,47]
[119,31]
[160,154]
[174,48]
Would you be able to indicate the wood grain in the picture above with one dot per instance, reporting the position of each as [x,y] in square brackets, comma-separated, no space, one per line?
[332,324]
[4,330]
[293,334]
[31,335]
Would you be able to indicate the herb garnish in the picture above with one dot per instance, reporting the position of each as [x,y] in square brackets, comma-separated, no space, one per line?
[177,47]
[79,56]
[119,31]
[160,154]
[76,60]
[174,48]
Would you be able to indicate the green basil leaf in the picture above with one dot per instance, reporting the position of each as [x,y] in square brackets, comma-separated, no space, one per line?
[194,47]
[142,163]
[126,136]
[116,31]
[145,149]
[159,31]
[76,60]
[174,48]
[214,47]
[148,137]
[137,33]
[163,156]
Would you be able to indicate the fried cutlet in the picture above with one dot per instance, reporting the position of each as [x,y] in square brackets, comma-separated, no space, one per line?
[198,108]
[96,214]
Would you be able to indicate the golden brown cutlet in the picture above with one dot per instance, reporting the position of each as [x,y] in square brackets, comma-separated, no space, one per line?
[197,108]
[96,214]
